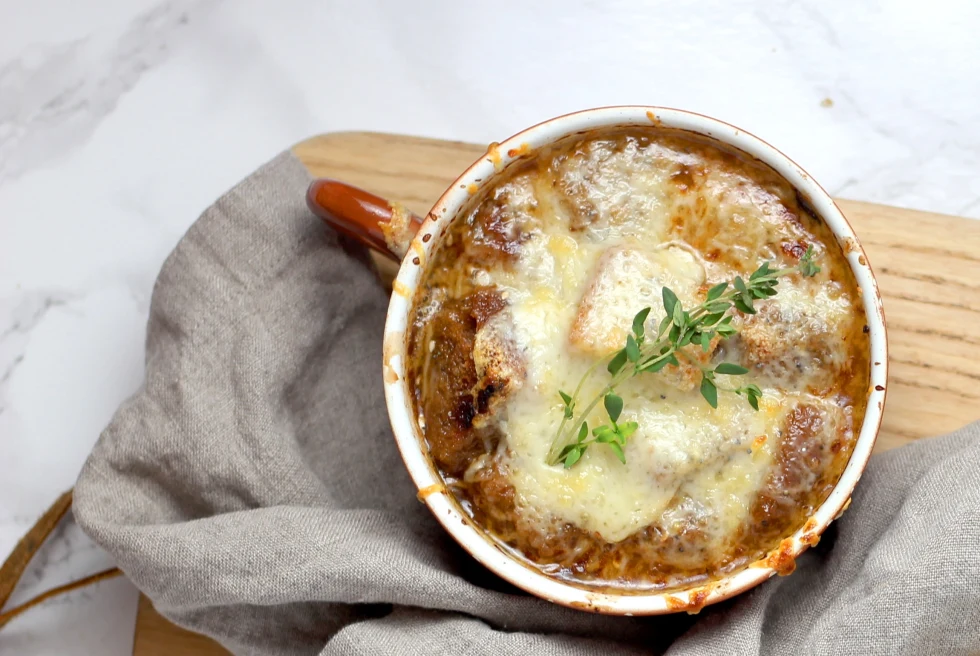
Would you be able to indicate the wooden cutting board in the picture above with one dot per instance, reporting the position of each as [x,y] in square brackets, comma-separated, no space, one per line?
[928,268]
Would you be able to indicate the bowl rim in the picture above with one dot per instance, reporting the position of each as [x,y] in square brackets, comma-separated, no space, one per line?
[410,441]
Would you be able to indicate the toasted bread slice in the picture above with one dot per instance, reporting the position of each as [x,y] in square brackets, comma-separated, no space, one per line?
[626,280]
[500,366]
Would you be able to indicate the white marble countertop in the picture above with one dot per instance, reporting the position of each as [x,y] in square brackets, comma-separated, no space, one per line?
[121,120]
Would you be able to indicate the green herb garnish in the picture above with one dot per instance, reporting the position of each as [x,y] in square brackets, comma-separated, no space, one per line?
[641,353]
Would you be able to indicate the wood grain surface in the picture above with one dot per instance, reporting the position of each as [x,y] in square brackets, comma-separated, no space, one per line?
[928,269]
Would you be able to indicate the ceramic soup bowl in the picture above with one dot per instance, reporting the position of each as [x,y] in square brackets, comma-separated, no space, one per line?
[389,228]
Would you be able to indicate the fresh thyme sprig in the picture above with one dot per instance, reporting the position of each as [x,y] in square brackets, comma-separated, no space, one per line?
[641,353]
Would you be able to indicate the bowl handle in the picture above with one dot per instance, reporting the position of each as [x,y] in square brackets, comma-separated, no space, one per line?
[385,226]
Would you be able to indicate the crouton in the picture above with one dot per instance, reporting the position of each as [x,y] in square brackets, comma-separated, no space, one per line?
[626,280]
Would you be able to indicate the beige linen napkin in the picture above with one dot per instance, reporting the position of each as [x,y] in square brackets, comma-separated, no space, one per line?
[252,488]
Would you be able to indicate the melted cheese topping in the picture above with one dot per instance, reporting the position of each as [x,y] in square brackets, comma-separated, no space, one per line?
[598,247]
[680,437]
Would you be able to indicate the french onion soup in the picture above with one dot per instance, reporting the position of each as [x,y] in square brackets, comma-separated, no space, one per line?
[638,360]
